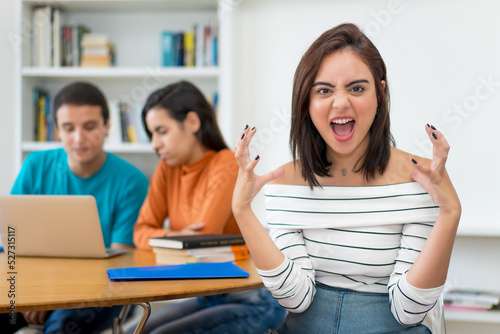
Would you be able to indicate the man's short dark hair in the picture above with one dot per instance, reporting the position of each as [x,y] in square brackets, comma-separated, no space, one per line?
[81,94]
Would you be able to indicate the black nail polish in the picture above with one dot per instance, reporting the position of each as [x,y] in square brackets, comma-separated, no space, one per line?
[242,136]
[428,125]
[432,127]
[246,127]
[434,135]
[414,161]
[257,157]
[252,128]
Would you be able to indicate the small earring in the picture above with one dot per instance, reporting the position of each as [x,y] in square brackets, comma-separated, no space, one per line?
[376,113]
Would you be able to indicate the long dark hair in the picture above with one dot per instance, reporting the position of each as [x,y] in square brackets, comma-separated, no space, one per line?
[307,146]
[178,99]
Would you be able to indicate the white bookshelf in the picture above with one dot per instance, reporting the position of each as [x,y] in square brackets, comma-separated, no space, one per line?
[31,146]
[134,27]
[475,264]
[490,317]
[122,72]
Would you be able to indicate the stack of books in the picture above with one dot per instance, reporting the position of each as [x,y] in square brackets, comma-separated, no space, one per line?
[473,300]
[199,248]
[96,50]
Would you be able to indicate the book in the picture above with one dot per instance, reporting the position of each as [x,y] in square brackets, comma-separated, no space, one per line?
[450,307]
[165,258]
[36,96]
[478,296]
[179,49]
[167,47]
[197,241]
[56,37]
[49,120]
[46,54]
[42,37]
[189,48]
[94,40]
[67,46]
[198,44]
[470,299]
[115,130]
[470,305]
[42,125]
[207,46]
[202,250]
[201,255]
[180,271]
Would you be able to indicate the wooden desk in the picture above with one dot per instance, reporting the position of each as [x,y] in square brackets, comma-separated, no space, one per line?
[50,283]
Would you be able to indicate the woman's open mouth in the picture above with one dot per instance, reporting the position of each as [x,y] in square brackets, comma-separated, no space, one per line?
[343,129]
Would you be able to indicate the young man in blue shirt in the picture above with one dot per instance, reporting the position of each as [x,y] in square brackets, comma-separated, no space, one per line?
[82,167]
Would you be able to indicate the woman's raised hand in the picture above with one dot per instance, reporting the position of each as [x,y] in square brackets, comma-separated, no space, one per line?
[248,183]
[434,178]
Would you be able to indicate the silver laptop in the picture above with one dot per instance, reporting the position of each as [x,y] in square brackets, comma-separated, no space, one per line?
[52,226]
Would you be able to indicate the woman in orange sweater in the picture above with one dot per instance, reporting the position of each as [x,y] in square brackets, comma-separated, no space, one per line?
[192,187]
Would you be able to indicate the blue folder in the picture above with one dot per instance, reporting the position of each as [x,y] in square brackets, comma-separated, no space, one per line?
[178,271]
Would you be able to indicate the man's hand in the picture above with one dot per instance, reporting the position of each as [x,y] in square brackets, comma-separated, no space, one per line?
[35,317]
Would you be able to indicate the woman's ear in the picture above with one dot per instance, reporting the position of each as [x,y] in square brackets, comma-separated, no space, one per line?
[383,83]
[192,122]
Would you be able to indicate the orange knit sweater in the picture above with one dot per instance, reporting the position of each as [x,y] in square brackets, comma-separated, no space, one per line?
[199,192]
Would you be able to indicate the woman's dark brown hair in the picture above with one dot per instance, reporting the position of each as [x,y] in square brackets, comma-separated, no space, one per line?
[308,148]
[178,99]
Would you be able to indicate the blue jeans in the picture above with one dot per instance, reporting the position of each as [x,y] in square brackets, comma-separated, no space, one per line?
[343,311]
[252,312]
[90,320]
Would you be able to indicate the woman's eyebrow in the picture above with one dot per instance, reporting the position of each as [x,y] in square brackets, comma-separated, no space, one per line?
[321,83]
[357,81]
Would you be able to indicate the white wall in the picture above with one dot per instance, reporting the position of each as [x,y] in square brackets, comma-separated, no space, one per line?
[8,81]
[439,54]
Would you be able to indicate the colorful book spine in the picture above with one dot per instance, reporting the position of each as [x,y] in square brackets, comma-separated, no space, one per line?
[123,122]
[189,48]
[167,47]
[36,97]
[41,119]
[197,241]
[179,49]
[49,120]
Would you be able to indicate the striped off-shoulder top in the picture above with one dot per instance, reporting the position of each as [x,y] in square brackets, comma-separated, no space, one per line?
[359,238]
